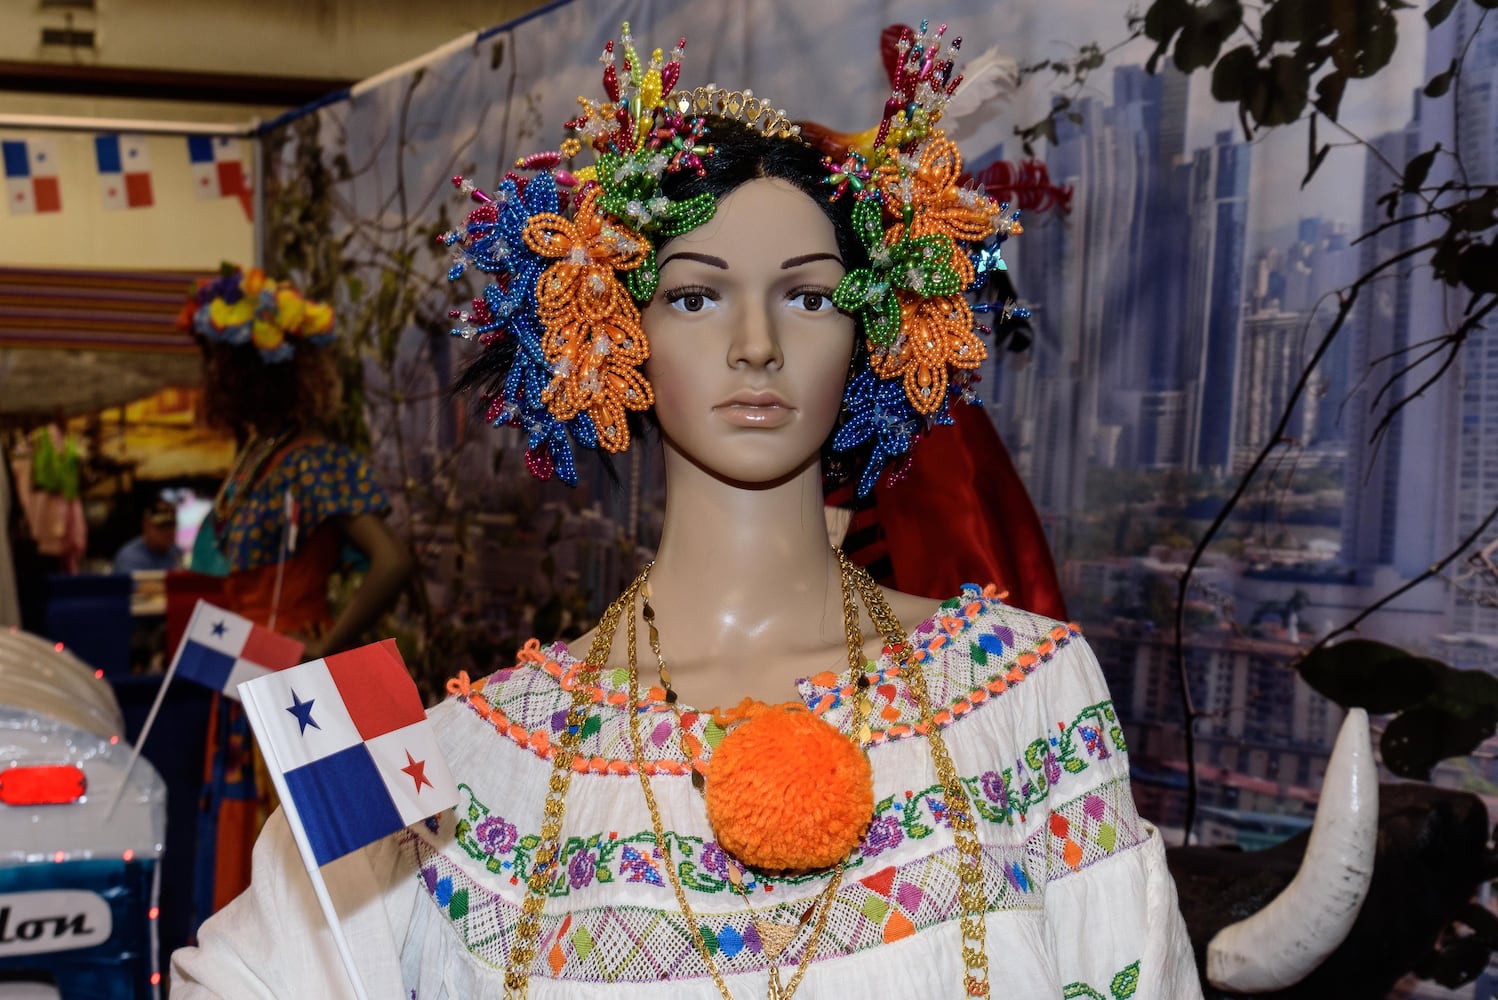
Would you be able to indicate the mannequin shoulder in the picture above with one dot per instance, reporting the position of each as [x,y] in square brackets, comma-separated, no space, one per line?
[912,610]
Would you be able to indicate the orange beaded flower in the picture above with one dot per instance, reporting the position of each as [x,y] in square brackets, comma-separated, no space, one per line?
[936,201]
[592,335]
[935,333]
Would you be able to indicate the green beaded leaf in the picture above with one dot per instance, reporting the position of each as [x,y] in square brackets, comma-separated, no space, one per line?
[684,216]
[868,221]
[924,265]
[642,281]
[866,293]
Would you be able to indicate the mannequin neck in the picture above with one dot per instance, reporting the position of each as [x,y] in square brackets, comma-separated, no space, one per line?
[745,565]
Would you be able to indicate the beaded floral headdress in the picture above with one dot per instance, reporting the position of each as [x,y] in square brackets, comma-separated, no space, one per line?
[246,307]
[572,258]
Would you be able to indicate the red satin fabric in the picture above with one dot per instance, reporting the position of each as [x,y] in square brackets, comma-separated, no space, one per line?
[962,515]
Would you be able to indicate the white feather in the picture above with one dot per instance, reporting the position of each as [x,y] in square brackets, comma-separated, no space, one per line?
[987,84]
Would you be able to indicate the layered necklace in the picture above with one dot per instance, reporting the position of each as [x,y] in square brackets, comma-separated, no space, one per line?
[775,936]
[244,473]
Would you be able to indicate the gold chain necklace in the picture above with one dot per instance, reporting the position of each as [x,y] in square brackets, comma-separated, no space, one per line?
[959,813]
[774,937]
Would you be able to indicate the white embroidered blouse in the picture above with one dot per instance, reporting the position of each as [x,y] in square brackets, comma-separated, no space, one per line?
[1080,902]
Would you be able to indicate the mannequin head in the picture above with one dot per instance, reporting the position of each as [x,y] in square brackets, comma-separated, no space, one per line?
[749,356]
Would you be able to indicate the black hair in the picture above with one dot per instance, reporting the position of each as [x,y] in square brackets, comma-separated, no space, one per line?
[244,390]
[742,153]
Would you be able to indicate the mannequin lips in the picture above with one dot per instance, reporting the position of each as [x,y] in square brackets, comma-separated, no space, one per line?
[755,409]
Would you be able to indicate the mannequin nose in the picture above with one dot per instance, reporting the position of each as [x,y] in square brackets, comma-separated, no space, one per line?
[756,342]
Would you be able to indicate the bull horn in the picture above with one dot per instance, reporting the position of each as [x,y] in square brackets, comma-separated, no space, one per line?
[1286,940]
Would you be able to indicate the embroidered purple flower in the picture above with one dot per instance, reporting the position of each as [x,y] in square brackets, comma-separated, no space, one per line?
[883,834]
[714,860]
[580,869]
[1052,768]
[495,835]
[994,789]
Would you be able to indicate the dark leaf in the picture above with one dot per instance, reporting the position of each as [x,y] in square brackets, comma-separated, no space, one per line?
[1368,48]
[1206,28]
[1367,674]
[1283,90]
[1458,960]
[1164,19]
[1152,64]
[1476,214]
[1418,168]
[1329,94]
[1294,21]
[1390,201]
[1418,740]
[1483,922]
[1445,263]
[1464,692]
[1233,76]
[1439,11]
[1441,82]
[1478,265]
[1314,156]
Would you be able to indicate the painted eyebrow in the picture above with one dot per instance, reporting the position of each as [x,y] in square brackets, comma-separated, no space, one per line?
[703,258]
[807,258]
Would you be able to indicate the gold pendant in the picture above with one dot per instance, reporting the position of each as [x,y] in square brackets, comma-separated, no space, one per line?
[774,937]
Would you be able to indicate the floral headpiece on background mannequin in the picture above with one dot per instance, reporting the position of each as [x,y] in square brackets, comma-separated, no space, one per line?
[572,258]
[246,307]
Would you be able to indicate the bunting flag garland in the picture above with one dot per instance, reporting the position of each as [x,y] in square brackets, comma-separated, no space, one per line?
[31,184]
[124,171]
[349,745]
[218,169]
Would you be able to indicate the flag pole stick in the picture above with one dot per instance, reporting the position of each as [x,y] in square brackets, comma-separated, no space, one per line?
[287,529]
[309,860]
[145,729]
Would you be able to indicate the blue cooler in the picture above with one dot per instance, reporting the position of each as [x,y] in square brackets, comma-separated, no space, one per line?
[78,886]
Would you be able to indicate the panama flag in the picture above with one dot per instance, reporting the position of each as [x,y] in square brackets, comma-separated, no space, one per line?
[31,184]
[124,171]
[221,650]
[350,749]
[218,169]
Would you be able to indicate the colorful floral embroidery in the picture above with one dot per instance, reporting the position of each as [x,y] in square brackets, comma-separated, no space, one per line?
[1002,797]
[876,905]
[524,703]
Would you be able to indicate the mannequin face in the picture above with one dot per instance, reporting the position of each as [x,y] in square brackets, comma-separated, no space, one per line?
[748,356]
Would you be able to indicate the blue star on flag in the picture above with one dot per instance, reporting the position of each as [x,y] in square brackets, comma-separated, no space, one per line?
[218,629]
[303,711]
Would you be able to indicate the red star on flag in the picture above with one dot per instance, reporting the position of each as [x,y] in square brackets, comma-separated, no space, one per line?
[417,769]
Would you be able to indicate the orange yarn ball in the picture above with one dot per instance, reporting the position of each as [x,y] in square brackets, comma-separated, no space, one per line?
[787,791]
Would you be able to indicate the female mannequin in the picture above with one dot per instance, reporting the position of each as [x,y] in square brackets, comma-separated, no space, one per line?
[905,801]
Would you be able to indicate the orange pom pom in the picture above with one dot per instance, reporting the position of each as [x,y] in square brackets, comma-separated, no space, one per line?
[787,792]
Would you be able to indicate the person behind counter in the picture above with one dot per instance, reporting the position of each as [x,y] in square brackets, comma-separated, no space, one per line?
[155,548]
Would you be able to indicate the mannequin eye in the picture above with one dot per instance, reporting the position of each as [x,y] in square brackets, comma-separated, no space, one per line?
[692,299]
[813,299]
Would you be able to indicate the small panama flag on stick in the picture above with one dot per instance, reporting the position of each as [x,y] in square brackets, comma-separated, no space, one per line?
[219,649]
[353,758]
